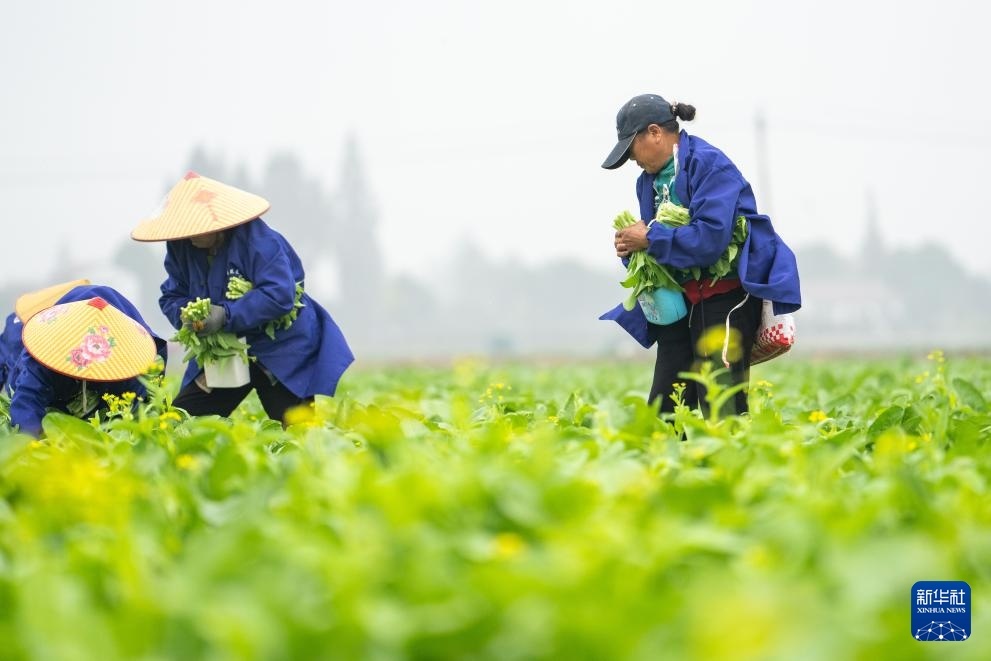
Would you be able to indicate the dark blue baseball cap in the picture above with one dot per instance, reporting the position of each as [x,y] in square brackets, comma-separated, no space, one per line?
[636,114]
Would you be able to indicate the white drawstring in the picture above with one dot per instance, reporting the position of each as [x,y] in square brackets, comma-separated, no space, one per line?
[85,408]
[726,335]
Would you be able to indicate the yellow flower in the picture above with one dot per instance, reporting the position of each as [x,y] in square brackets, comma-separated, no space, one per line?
[712,340]
[936,356]
[300,415]
[696,454]
[185,462]
[508,545]
[817,416]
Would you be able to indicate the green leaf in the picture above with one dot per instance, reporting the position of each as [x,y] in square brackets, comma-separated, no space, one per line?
[888,418]
[970,395]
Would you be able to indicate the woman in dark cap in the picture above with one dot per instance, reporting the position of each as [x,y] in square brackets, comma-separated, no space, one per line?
[691,173]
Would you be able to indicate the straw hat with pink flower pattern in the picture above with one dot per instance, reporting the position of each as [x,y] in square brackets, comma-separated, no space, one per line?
[89,340]
[31,303]
[199,205]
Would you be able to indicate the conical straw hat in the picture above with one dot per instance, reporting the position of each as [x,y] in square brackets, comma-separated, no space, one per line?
[89,340]
[34,302]
[200,205]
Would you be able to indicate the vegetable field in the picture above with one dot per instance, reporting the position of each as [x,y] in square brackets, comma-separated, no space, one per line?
[508,512]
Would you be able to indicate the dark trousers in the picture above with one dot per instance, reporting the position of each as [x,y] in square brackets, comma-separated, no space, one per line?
[678,350]
[276,399]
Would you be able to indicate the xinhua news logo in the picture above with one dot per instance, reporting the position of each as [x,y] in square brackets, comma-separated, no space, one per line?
[941,611]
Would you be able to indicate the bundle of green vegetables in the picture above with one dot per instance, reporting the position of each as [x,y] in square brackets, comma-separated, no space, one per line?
[644,274]
[673,215]
[238,287]
[210,348]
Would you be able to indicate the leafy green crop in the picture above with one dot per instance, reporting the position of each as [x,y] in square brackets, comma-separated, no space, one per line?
[677,216]
[208,348]
[643,273]
[508,512]
[238,287]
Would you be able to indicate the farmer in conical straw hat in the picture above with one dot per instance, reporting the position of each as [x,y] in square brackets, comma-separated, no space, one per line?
[74,353]
[31,303]
[24,308]
[216,239]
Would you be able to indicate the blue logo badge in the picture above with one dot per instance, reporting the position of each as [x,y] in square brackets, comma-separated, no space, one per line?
[941,611]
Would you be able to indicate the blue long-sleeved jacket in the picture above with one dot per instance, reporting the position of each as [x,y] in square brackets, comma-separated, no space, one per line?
[715,192]
[37,388]
[10,348]
[310,356]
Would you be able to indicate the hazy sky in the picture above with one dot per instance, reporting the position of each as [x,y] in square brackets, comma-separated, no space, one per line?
[489,120]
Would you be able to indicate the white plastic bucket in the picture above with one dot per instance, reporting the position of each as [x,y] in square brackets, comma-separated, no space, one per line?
[232,372]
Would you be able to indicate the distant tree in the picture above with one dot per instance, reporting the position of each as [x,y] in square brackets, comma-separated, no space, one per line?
[355,244]
[301,209]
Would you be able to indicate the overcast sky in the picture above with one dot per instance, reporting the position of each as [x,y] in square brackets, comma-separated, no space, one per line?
[488,120]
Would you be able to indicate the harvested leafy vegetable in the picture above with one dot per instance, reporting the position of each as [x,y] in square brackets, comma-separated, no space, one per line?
[209,348]
[643,273]
[238,287]
[673,215]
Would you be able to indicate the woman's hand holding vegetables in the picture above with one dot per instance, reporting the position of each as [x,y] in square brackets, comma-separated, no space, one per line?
[214,321]
[631,239]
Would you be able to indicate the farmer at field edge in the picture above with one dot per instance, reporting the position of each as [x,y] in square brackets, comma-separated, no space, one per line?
[691,173]
[79,350]
[216,238]
[29,304]
[25,307]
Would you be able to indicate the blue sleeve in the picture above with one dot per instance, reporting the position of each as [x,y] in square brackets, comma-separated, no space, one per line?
[713,211]
[33,392]
[175,289]
[273,290]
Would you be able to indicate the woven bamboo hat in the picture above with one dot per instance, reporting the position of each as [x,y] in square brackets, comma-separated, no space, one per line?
[33,302]
[200,205]
[89,340]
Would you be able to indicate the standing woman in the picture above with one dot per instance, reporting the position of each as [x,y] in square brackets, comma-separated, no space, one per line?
[214,235]
[695,175]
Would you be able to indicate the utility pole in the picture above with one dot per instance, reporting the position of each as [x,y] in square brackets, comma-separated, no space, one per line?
[872,248]
[763,170]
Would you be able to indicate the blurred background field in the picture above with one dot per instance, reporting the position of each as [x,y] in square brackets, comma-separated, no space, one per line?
[508,512]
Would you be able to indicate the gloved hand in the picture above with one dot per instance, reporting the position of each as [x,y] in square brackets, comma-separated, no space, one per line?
[213,322]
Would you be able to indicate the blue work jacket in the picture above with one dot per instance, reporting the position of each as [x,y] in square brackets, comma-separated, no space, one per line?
[310,356]
[715,193]
[10,348]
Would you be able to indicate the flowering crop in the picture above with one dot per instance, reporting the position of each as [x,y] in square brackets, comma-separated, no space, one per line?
[497,512]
